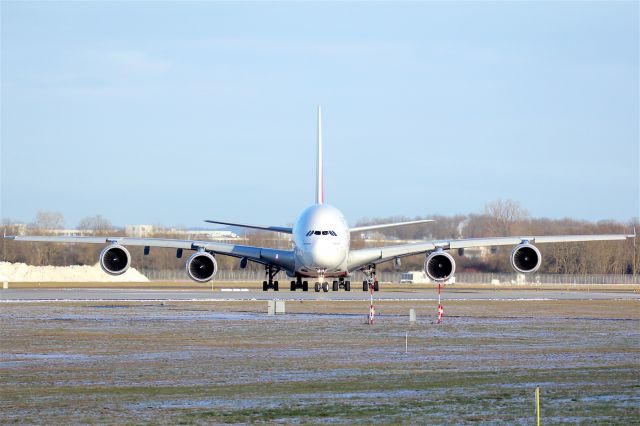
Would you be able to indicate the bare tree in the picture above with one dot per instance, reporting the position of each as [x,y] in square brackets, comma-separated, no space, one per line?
[11,251]
[97,224]
[500,218]
[47,253]
[503,215]
[48,220]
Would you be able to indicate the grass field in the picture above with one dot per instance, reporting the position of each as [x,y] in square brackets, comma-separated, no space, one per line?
[228,362]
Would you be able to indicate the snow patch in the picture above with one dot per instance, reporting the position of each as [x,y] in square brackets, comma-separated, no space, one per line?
[20,272]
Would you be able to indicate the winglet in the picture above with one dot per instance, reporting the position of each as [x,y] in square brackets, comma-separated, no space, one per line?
[319,165]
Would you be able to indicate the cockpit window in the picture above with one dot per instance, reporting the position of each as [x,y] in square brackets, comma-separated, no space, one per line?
[310,233]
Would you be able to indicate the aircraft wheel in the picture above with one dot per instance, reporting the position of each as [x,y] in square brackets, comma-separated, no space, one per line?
[293,286]
[325,287]
[365,286]
[317,287]
[275,286]
[264,286]
[305,285]
[375,286]
[347,286]
[335,286]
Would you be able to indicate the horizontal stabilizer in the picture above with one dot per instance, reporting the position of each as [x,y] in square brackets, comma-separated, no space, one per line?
[388,225]
[264,228]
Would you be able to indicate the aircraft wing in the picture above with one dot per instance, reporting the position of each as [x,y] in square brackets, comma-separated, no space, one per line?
[280,258]
[363,257]
[281,229]
[388,225]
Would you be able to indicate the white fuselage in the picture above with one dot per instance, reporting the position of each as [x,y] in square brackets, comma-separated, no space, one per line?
[321,242]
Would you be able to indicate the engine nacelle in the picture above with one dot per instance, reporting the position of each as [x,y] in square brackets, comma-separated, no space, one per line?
[526,258]
[115,259]
[201,266]
[439,266]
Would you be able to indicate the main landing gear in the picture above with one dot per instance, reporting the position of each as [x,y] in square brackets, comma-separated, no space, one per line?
[371,280]
[298,283]
[271,272]
[321,285]
[346,285]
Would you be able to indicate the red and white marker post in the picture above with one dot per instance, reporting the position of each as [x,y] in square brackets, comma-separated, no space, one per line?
[440,307]
[372,309]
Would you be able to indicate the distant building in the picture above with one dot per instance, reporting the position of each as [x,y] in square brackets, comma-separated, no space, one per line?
[70,232]
[21,228]
[211,235]
[477,252]
[142,231]
[139,231]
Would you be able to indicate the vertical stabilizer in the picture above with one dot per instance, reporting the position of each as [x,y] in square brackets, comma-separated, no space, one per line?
[319,166]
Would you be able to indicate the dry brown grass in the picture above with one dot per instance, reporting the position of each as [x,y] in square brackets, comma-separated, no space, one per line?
[228,362]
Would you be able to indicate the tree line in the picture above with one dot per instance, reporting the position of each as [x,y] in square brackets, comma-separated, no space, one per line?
[499,218]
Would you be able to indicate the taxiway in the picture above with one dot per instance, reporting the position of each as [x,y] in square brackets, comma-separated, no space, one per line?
[111,294]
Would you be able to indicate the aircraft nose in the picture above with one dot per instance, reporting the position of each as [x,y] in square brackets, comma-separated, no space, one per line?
[324,255]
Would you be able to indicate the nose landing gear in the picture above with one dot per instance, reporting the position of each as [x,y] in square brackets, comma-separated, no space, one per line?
[322,284]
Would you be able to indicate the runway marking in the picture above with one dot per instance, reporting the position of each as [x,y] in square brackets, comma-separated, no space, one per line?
[286,300]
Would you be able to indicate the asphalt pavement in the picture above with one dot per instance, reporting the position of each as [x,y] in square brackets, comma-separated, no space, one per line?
[102,294]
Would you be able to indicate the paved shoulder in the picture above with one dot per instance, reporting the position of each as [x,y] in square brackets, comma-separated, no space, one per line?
[97,294]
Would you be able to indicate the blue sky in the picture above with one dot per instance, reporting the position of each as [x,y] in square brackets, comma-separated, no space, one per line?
[170,113]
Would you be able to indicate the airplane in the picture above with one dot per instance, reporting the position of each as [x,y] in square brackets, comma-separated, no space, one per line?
[320,248]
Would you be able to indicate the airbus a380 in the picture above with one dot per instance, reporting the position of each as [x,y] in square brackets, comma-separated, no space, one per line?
[320,251]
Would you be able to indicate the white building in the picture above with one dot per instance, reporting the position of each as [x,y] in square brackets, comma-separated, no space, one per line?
[70,232]
[142,231]
[212,235]
[139,231]
[477,252]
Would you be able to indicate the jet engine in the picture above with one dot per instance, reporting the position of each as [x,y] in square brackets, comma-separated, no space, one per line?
[201,266]
[439,266]
[526,258]
[115,259]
